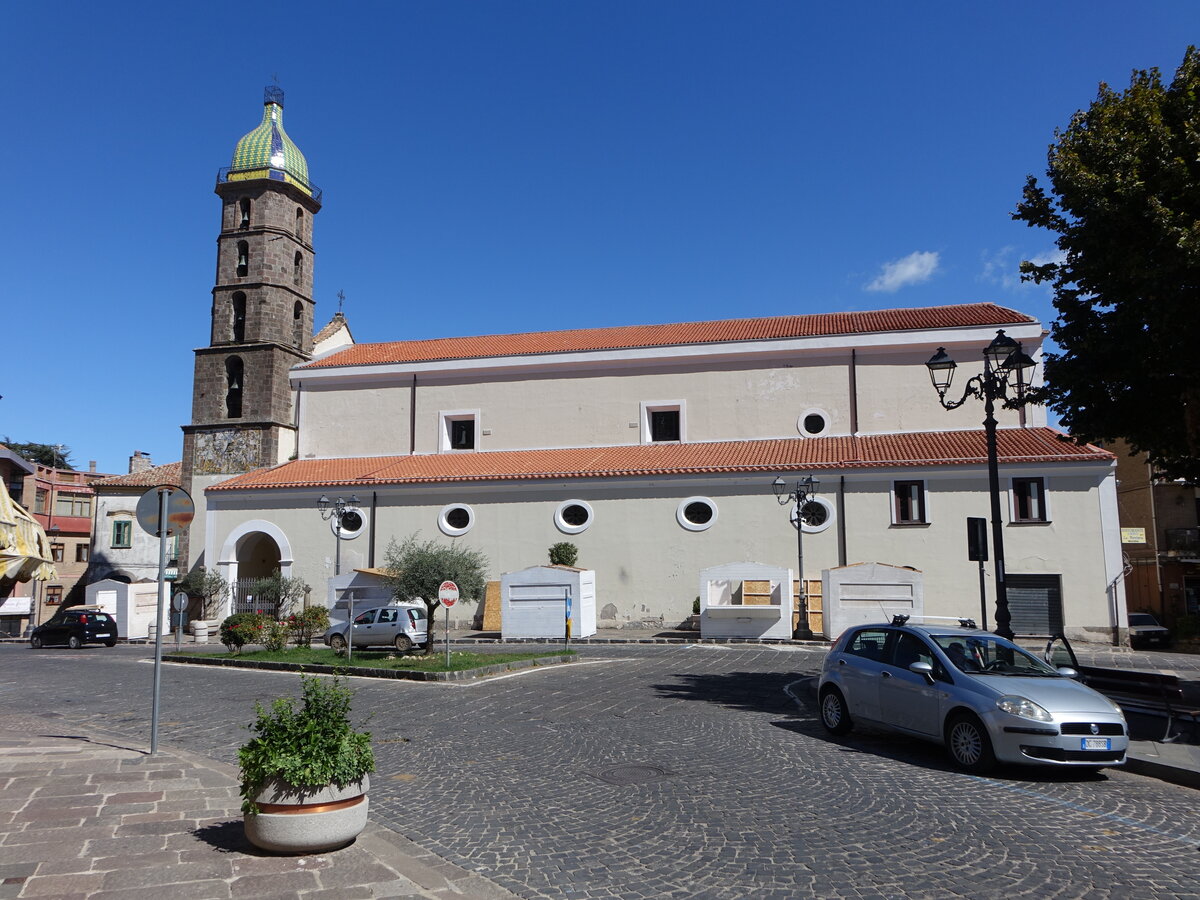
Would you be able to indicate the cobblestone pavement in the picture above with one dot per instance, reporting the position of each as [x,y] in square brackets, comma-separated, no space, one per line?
[674,771]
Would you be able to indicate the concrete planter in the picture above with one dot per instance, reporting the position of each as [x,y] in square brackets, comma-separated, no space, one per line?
[294,820]
[201,629]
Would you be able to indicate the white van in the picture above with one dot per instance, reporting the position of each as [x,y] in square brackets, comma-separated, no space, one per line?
[399,625]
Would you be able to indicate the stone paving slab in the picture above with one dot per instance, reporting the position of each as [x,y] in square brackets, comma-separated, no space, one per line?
[88,818]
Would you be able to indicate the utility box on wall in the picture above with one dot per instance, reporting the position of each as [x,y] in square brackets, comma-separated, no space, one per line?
[870,592]
[747,600]
[533,602]
[134,606]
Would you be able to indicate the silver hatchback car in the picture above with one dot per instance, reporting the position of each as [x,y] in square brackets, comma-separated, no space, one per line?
[402,626]
[981,696]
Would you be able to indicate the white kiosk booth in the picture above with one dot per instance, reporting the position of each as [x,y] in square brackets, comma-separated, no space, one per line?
[533,602]
[134,606]
[861,593]
[746,600]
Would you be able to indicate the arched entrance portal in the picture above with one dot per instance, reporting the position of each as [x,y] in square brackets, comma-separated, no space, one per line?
[252,551]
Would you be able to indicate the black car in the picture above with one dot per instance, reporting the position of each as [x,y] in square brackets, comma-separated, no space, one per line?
[75,627]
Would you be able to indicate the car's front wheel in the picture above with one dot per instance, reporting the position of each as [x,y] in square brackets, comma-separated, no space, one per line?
[338,643]
[969,744]
[36,642]
[110,643]
[834,715]
[74,642]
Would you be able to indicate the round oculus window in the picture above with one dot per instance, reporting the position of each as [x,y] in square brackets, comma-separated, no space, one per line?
[573,516]
[696,513]
[456,519]
[352,523]
[818,515]
[813,422]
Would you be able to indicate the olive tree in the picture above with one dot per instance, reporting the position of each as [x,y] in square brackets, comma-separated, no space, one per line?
[415,569]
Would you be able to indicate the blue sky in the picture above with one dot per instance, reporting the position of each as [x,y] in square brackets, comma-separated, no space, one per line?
[522,165]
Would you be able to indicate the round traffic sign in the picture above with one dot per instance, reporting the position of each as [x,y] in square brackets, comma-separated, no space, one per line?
[180,601]
[448,593]
[180,509]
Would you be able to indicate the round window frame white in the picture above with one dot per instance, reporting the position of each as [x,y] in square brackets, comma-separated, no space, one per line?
[830,516]
[685,522]
[446,528]
[813,411]
[566,527]
[348,534]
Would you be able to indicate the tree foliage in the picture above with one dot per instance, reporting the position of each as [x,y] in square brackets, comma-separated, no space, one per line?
[208,585]
[564,553]
[276,594]
[415,569]
[1124,201]
[57,456]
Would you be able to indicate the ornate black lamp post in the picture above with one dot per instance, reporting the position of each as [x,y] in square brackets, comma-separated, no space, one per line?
[800,493]
[337,511]
[1004,366]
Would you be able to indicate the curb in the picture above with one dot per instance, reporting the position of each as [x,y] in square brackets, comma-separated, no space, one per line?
[367,672]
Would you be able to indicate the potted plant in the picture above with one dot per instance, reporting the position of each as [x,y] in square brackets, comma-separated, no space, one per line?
[304,774]
[211,588]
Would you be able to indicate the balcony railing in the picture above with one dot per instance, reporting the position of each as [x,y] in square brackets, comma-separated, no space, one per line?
[1183,541]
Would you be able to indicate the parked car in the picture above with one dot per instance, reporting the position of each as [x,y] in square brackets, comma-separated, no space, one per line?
[1147,631]
[76,626]
[402,625]
[979,695]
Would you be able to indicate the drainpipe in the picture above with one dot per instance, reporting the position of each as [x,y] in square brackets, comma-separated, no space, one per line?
[412,416]
[841,515]
[371,546]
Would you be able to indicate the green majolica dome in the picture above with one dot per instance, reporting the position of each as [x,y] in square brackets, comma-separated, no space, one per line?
[267,151]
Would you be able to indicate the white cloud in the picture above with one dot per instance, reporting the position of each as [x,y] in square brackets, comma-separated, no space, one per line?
[1003,267]
[916,268]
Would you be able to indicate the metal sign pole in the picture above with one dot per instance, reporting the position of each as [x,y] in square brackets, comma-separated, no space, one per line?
[163,494]
[447,638]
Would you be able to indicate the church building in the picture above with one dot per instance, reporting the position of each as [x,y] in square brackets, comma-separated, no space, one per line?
[652,448]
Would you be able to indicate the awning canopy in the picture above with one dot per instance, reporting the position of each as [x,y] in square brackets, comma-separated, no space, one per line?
[24,548]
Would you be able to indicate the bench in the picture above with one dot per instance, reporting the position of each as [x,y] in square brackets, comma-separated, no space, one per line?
[1150,691]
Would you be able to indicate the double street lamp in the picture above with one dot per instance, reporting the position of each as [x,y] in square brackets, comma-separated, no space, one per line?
[337,511]
[800,493]
[1004,368]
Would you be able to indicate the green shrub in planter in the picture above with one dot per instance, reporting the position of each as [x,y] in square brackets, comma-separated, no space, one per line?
[241,629]
[564,553]
[308,743]
[307,624]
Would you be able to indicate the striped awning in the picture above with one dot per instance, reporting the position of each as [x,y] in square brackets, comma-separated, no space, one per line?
[24,548]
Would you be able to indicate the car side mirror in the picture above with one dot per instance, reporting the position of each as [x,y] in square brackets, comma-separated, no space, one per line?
[923,669]
[1068,672]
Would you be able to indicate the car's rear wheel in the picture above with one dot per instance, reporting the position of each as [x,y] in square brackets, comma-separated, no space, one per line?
[403,643]
[36,642]
[834,715]
[969,744]
[338,643]
[110,643]
[74,642]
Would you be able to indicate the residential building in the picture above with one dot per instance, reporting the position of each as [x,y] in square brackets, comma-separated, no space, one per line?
[121,549]
[16,597]
[1160,536]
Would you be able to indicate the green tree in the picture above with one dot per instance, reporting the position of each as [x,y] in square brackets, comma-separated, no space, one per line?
[56,456]
[207,585]
[277,594]
[1124,201]
[415,569]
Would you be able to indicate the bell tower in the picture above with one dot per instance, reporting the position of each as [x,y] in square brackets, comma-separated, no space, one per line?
[262,313]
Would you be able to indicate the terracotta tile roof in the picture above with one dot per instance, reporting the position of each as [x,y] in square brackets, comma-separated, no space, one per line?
[636,336]
[787,454]
[147,478]
[336,324]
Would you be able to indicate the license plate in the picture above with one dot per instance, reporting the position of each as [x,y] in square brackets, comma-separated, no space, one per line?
[1097,744]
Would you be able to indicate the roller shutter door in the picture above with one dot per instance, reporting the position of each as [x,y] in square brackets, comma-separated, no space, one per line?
[1035,604]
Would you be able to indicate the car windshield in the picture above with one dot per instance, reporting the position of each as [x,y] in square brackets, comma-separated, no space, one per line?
[989,654]
[1142,619]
